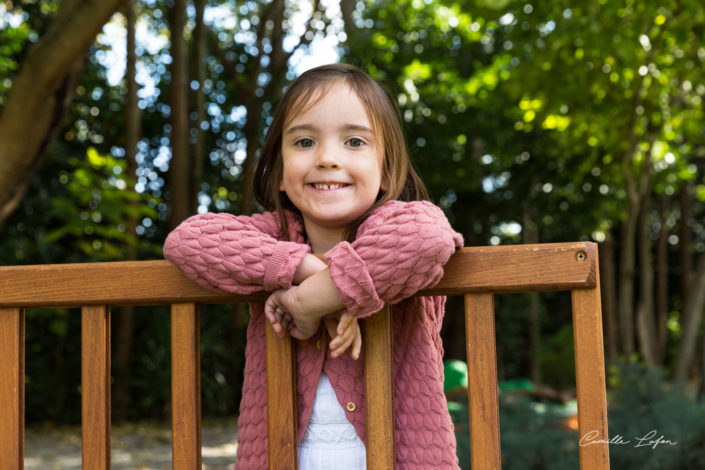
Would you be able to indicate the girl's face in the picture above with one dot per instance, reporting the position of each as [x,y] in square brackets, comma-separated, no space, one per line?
[332,164]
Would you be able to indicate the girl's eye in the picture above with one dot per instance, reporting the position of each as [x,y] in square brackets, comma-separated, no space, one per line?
[304,143]
[355,142]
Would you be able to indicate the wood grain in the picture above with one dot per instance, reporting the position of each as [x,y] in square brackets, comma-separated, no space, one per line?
[590,379]
[516,268]
[281,402]
[485,452]
[185,387]
[379,390]
[95,387]
[12,388]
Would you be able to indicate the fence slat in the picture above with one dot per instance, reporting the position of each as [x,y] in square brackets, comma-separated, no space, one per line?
[485,450]
[281,402]
[185,387]
[95,386]
[590,379]
[12,388]
[379,390]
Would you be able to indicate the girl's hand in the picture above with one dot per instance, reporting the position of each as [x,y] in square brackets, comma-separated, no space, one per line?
[344,330]
[286,313]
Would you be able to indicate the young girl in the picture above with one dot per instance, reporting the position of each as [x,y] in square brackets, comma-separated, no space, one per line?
[336,177]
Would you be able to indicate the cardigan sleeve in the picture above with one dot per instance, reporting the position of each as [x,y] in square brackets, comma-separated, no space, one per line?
[400,249]
[236,254]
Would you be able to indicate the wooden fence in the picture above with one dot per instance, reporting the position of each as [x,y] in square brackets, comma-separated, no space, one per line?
[476,273]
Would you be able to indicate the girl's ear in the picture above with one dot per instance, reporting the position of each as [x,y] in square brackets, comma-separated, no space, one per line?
[281,185]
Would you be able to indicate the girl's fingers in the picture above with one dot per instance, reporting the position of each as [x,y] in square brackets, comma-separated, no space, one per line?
[339,339]
[341,347]
[269,312]
[347,339]
[356,346]
[278,320]
[344,323]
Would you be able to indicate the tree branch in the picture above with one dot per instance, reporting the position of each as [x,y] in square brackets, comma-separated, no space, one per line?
[26,120]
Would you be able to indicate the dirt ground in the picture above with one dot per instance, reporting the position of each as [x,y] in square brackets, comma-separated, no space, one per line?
[143,446]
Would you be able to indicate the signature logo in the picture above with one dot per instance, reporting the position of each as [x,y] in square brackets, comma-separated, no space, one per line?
[651,439]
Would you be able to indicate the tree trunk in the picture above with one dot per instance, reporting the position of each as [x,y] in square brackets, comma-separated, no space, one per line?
[199,102]
[347,8]
[638,195]
[690,326]
[626,281]
[646,323]
[41,93]
[251,131]
[530,234]
[662,280]
[635,196]
[123,319]
[180,166]
[608,286]
[686,240]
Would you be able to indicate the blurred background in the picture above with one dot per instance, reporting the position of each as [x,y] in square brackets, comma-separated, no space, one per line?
[528,121]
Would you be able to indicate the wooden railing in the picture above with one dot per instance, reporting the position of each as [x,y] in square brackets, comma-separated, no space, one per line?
[476,273]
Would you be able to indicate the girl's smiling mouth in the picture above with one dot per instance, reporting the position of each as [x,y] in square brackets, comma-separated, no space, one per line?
[328,186]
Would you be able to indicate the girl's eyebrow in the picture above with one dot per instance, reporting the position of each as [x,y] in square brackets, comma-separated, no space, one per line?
[344,127]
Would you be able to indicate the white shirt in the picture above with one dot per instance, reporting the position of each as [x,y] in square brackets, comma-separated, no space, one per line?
[330,441]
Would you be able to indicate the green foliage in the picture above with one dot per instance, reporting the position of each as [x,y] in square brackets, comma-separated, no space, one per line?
[651,426]
[98,209]
[149,381]
[557,359]
[12,40]
[531,438]
[53,365]
[644,407]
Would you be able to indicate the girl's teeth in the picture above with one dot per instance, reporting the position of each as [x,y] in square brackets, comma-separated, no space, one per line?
[327,186]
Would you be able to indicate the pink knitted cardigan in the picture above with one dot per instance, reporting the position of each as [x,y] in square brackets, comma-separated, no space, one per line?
[400,249]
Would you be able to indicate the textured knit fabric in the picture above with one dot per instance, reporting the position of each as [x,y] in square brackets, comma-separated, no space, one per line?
[330,441]
[400,249]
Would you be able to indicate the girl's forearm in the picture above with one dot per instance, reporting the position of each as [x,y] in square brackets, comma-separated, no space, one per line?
[310,265]
[318,296]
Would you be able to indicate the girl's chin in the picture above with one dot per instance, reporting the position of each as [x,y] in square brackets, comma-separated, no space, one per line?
[332,221]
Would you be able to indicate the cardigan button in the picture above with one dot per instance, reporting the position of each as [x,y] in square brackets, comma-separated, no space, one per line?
[318,344]
[351,406]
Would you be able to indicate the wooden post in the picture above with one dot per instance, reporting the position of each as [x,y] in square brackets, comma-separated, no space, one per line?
[590,379]
[12,388]
[485,449]
[185,387]
[379,390]
[95,386]
[281,402]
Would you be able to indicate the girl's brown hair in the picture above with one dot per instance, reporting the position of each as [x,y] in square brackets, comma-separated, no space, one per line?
[398,176]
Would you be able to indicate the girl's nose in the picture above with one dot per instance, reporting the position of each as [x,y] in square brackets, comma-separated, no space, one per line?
[327,160]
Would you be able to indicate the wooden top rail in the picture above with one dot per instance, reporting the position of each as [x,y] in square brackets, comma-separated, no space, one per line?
[478,273]
[560,267]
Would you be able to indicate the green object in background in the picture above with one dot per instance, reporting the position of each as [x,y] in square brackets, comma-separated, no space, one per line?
[517,384]
[456,374]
